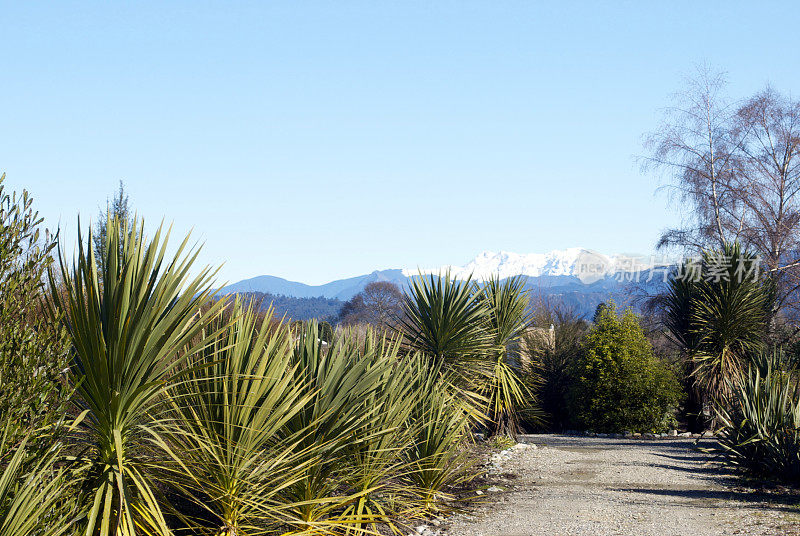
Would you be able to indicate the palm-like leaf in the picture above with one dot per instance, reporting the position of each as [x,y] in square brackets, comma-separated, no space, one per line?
[32,497]
[127,334]
[507,305]
[338,378]
[226,434]
[717,312]
[440,424]
[508,318]
[729,317]
[760,428]
[445,319]
[375,460]
[680,303]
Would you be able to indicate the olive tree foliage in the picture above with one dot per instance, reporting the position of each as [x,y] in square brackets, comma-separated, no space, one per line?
[33,397]
[33,350]
[734,168]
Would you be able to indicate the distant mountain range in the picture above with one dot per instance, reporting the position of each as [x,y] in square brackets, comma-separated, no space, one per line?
[342,289]
[577,277]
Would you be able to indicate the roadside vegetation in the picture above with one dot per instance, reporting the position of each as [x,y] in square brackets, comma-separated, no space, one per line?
[145,405]
[135,401]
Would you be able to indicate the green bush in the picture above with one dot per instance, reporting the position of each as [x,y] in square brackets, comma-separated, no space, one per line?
[619,384]
[33,349]
[33,355]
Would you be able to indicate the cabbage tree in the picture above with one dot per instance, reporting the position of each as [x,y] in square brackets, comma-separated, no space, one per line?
[130,322]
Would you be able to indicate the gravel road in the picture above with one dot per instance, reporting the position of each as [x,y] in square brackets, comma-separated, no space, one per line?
[602,487]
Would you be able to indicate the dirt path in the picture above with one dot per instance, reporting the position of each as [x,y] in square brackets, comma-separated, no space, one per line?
[600,487]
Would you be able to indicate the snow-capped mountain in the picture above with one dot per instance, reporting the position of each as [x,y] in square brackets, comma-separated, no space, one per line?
[576,277]
[585,264]
[574,269]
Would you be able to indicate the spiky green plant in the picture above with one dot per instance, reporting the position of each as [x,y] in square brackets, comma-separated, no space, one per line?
[680,302]
[33,494]
[225,434]
[507,304]
[376,465]
[730,317]
[759,429]
[445,319]
[508,317]
[127,337]
[718,312]
[338,380]
[440,425]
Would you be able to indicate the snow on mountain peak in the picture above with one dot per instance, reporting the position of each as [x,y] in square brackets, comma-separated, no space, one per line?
[579,262]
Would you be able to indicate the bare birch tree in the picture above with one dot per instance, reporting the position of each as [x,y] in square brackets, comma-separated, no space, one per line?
[734,167]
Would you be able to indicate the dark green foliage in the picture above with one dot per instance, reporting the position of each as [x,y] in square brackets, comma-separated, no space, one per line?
[555,363]
[325,331]
[619,384]
[759,431]
[682,293]
[295,308]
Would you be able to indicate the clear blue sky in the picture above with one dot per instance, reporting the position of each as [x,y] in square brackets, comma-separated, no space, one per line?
[322,140]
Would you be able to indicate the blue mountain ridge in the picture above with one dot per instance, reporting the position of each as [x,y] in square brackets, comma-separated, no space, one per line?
[341,289]
[568,290]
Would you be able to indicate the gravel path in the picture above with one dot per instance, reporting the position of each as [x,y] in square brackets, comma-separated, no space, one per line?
[602,487]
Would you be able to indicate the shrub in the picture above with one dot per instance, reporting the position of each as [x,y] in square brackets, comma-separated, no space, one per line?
[759,431]
[33,396]
[718,313]
[445,319]
[352,401]
[33,349]
[618,383]
[32,499]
